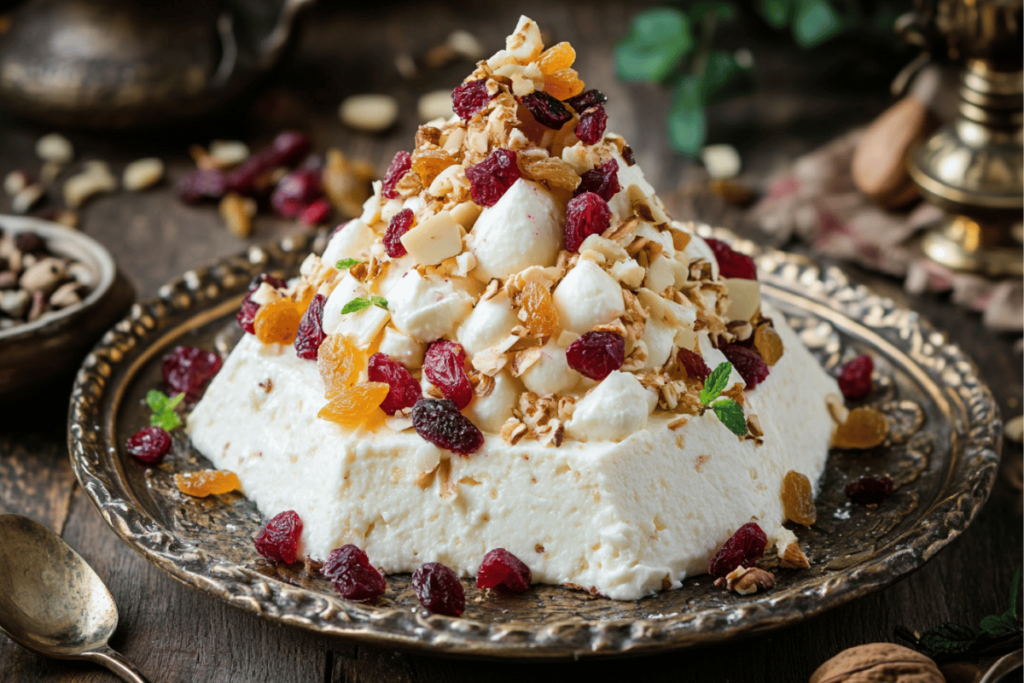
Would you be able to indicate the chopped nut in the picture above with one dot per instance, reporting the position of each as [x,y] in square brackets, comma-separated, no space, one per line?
[435,105]
[879,662]
[96,178]
[747,581]
[228,153]
[347,184]
[754,425]
[237,212]
[143,173]
[792,557]
[466,45]
[369,113]
[837,409]
[512,431]
[56,148]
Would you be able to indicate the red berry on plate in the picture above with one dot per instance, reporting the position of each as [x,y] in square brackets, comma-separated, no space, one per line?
[470,98]
[731,263]
[744,549]
[444,365]
[149,445]
[398,226]
[400,165]
[602,181]
[546,109]
[349,569]
[187,369]
[440,422]
[438,589]
[855,378]
[748,364]
[490,179]
[278,541]
[311,332]
[694,364]
[869,490]
[596,354]
[590,129]
[501,568]
[405,391]
[586,214]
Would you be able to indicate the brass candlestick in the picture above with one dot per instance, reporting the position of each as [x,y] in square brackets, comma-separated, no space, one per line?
[973,167]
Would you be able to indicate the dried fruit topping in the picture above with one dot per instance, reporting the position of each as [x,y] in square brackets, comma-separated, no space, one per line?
[429,163]
[355,579]
[440,422]
[291,147]
[340,362]
[585,215]
[490,179]
[586,100]
[399,166]
[200,184]
[602,181]
[694,364]
[444,364]
[278,541]
[356,405]
[470,98]
[556,58]
[547,110]
[855,378]
[311,332]
[748,364]
[398,226]
[278,322]
[596,354]
[188,369]
[316,213]
[541,316]
[732,263]
[288,149]
[592,123]
[768,344]
[627,155]
[563,84]
[207,483]
[295,192]
[404,390]
[501,568]
[869,490]
[149,445]
[864,428]
[744,549]
[247,312]
[438,589]
[798,499]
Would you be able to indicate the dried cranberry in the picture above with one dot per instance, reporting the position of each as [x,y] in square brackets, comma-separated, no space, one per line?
[444,365]
[502,568]
[855,378]
[311,332]
[744,549]
[602,181]
[752,369]
[399,166]
[316,213]
[585,215]
[586,100]
[278,541]
[592,123]
[732,263]
[546,109]
[188,369]
[596,354]
[438,589]
[405,391]
[295,192]
[287,149]
[627,155]
[440,422]
[355,579]
[397,226]
[247,311]
[200,184]
[291,147]
[694,364]
[490,179]
[469,98]
[149,445]
[869,490]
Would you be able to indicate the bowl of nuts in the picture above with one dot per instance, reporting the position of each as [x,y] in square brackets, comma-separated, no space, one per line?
[59,292]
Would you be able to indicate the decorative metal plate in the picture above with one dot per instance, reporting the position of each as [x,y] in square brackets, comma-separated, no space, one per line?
[942,454]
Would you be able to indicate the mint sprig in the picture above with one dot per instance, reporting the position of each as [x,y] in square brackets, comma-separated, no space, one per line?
[363,302]
[728,411]
[714,385]
[163,406]
[346,263]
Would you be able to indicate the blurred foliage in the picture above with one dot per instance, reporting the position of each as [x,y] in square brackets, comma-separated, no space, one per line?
[675,46]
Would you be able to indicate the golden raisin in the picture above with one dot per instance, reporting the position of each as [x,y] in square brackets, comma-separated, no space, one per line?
[352,406]
[798,499]
[340,361]
[563,84]
[207,483]
[555,173]
[768,344]
[541,316]
[429,163]
[864,428]
[278,322]
[556,58]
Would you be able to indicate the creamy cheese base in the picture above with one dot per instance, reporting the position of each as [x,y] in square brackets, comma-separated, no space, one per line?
[627,518]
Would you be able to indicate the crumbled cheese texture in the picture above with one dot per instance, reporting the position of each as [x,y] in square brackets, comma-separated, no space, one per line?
[626,485]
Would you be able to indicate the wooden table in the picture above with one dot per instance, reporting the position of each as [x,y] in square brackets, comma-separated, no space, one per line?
[175,633]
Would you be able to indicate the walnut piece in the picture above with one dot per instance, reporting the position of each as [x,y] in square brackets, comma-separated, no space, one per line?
[878,662]
[747,581]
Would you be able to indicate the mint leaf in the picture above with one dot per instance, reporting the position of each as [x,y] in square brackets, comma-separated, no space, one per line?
[947,639]
[714,385]
[731,414]
[720,71]
[346,263]
[723,12]
[356,305]
[163,409]
[657,40]
[687,122]
[379,301]
[156,400]
[815,22]
[1001,625]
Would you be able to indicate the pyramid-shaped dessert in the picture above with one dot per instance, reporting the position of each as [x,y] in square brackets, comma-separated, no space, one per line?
[515,347]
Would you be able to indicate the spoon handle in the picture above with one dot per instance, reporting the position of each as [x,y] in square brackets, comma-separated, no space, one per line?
[116,662]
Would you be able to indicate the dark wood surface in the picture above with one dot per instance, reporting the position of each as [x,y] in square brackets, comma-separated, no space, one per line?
[175,633]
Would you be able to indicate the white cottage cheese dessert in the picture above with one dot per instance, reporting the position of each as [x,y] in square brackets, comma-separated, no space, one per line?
[559,333]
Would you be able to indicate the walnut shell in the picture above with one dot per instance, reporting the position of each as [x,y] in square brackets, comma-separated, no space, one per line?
[878,663]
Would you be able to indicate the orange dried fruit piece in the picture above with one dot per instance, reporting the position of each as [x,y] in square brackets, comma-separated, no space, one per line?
[353,406]
[556,58]
[768,344]
[864,428]
[278,322]
[563,84]
[207,483]
[339,361]
[541,316]
[798,499]
[429,163]
[554,172]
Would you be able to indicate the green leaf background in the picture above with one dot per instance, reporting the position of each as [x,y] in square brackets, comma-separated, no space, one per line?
[658,38]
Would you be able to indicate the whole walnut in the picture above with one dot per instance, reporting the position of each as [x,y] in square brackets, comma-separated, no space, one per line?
[878,663]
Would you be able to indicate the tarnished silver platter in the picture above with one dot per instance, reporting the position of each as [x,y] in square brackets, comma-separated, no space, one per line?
[942,454]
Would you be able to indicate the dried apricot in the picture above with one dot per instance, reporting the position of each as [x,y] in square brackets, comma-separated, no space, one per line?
[864,428]
[541,316]
[278,322]
[768,344]
[207,483]
[354,406]
[556,58]
[563,84]
[340,361]
[798,499]
[429,163]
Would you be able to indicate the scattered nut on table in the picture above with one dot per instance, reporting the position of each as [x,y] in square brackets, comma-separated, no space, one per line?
[229,153]
[56,148]
[94,179]
[16,181]
[747,581]
[721,161]
[435,105]
[369,113]
[878,662]
[27,197]
[142,173]
[237,212]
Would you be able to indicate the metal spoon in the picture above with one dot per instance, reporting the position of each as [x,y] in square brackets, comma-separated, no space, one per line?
[51,600]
